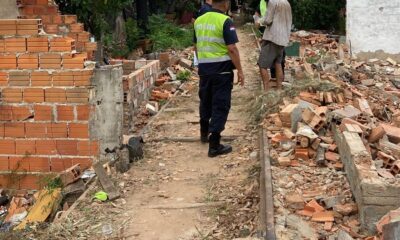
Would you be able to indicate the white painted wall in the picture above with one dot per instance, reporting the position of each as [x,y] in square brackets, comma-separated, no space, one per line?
[373,25]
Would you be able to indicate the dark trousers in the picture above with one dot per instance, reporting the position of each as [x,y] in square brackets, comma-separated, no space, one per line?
[215,101]
[273,70]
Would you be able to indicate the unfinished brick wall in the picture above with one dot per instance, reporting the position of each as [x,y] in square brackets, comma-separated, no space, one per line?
[139,77]
[55,23]
[45,92]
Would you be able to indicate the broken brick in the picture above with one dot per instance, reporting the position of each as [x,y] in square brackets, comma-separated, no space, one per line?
[392,132]
[70,175]
[313,206]
[376,134]
[346,209]
[328,226]
[331,156]
[294,201]
[301,153]
[284,161]
[323,217]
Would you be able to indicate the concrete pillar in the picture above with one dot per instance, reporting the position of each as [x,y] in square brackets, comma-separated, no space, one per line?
[8,9]
[107,124]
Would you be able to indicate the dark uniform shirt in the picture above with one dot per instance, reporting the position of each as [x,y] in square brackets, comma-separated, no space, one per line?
[230,37]
[204,9]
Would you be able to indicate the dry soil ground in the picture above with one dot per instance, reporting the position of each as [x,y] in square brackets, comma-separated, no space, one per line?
[180,193]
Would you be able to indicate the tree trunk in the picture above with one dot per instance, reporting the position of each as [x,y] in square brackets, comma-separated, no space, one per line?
[171,6]
[142,16]
[153,7]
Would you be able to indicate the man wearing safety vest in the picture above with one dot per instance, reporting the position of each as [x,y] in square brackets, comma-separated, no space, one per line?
[263,7]
[217,54]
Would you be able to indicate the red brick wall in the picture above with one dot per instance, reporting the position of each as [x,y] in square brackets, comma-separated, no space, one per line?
[139,77]
[55,23]
[44,101]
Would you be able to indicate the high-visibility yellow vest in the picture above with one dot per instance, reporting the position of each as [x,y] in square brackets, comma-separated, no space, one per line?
[209,29]
[263,7]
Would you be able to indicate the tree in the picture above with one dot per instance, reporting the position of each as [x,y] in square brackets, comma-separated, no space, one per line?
[142,16]
[97,15]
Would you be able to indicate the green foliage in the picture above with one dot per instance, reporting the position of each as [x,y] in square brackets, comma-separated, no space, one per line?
[51,182]
[167,35]
[132,33]
[190,6]
[114,49]
[183,75]
[98,15]
[318,14]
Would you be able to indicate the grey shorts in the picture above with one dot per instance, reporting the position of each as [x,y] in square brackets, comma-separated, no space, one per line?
[270,54]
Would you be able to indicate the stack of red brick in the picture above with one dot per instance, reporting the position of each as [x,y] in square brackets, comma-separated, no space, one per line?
[55,23]
[45,108]
[139,77]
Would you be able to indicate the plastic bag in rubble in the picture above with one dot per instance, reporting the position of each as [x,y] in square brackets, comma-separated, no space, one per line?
[17,218]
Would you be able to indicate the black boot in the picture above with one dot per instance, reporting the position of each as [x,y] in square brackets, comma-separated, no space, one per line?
[216,148]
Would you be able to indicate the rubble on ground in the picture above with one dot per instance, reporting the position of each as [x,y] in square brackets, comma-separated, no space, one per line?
[27,210]
[21,211]
[178,76]
[312,194]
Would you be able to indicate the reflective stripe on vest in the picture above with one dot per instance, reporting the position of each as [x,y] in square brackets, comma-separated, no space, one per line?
[211,39]
[213,60]
[211,45]
[263,7]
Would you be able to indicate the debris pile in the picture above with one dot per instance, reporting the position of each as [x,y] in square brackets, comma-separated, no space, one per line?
[308,177]
[309,174]
[31,208]
[172,79]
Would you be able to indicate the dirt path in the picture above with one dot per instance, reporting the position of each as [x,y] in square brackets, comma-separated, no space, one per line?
[174,178]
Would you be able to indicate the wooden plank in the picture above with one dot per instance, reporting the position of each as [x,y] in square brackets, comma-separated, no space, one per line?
[46,202]
[106,182]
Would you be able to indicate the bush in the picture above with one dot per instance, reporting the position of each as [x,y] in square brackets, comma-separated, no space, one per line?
[318,14]
[315,14]
[183,75]
[166,35]
[132,33]
[97,15]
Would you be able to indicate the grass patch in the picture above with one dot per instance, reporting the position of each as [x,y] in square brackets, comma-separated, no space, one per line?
[166,35]
[183,75]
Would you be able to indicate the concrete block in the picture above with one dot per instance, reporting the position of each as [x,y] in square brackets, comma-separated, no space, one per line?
[374,196]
